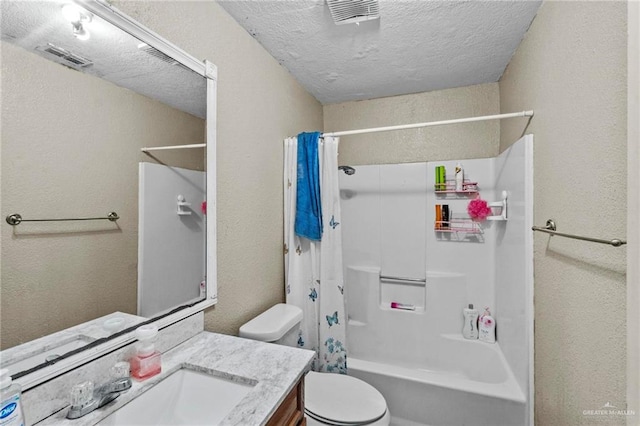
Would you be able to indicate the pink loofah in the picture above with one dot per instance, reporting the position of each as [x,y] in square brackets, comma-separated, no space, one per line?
[478,209]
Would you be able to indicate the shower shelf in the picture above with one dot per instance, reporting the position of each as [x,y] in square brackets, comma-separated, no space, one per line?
[468,187]
[467,226]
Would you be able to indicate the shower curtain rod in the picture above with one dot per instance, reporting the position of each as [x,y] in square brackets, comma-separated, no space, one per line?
[431,123]
[162,148]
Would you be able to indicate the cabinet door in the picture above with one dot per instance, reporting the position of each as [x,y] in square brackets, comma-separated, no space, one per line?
[291,411]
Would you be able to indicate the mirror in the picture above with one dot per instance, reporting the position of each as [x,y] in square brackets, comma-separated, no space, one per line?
[80,99]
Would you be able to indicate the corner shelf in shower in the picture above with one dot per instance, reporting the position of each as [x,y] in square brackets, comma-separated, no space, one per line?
[466,226]
[449,187]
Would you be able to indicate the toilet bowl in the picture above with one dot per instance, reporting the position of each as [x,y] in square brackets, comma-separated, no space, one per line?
[330,399]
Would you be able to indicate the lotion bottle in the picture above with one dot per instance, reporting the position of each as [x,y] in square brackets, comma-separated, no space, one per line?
[487,327]
[147,361]
[459,178]
[470,327]
[10,405]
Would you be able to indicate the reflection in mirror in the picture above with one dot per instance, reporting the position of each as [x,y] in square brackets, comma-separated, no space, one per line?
[79,100]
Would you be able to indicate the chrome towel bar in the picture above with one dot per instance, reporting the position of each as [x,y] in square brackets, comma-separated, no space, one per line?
[550,228]
[15,219]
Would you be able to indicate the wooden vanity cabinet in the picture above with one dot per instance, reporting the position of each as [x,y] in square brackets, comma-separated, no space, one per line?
[291,411]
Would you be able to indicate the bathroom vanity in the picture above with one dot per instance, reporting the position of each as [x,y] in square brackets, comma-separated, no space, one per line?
[272,375]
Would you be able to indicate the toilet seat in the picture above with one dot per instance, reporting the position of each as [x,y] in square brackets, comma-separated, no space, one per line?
[340,400]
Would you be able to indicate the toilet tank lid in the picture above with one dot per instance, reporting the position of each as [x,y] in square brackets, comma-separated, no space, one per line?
[272,324]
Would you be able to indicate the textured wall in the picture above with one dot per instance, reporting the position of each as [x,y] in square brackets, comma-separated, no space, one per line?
[71,145]
[471,140]
[259,104]
[571,69]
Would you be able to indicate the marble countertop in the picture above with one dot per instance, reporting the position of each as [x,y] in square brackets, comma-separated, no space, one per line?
[274,369]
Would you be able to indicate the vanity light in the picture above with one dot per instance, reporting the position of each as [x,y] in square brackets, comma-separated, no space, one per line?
[78,18]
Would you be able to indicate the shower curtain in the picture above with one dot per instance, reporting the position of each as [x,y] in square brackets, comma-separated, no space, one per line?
[313,269]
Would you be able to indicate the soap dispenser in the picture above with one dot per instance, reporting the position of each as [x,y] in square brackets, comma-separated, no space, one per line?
[487,327]
[10,394]
[147,361]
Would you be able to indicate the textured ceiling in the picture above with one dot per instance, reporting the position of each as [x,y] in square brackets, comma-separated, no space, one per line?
[415,46]
[32,25]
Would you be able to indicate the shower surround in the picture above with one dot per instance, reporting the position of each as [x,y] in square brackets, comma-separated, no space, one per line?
[418,359]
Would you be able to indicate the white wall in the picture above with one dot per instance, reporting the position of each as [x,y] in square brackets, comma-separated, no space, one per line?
[171,247]
[514,259]
[388,219]
[471,256]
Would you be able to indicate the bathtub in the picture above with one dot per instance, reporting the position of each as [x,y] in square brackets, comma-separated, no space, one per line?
[430,395]
[428,373]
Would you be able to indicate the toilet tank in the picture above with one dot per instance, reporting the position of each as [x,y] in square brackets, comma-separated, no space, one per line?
[279,324]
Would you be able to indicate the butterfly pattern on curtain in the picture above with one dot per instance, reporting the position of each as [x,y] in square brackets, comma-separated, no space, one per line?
[313,271]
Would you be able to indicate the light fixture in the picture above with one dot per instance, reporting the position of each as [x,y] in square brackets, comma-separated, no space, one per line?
[71,12]
[80,32]
[78,18]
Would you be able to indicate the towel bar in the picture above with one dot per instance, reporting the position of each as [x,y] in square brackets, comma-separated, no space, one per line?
[411,280]
[550,228]
[16,219]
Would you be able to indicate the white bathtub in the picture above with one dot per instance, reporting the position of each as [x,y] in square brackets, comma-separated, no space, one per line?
[419,361]
[470,396]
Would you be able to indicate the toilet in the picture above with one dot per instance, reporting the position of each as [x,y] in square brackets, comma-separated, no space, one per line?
[330,399]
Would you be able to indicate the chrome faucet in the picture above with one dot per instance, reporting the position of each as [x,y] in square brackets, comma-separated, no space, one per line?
[84,399]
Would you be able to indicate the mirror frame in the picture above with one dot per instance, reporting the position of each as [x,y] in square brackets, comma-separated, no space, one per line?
[209,71]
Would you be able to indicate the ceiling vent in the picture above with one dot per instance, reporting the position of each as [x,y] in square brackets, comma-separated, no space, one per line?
[64,57]
[144,47]
[353,11]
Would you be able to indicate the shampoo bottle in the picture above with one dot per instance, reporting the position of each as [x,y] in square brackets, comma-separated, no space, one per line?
[446,217]
[443,178]
[470,327]
[146,363]
[459,178]
[10,408]
[487,327]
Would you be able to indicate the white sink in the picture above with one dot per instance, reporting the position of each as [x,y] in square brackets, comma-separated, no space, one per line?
[186,397]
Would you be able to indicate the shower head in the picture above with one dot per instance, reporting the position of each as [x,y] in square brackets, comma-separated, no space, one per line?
[348,170]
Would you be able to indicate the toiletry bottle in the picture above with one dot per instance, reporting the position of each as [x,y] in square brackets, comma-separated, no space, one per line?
[146,363]
[438,216]
[203,288]
[445,216]
[470,327]
[10,408]
[487,327]
[459,178]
